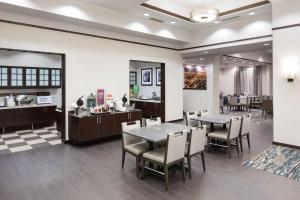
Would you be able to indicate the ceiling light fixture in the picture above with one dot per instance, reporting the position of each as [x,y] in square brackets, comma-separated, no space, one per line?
[266,44]
[217,22]
[146,15]
[252,13]
[206,52]
[201,59]
[205,14]
[173,22]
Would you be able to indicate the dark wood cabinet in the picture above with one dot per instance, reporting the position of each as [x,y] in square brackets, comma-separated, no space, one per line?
[91,128]
[151,109]
[13,117]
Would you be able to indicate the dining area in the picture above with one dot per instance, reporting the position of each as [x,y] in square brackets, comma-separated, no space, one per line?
[161,149]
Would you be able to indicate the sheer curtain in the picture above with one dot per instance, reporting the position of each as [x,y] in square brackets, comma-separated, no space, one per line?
[258,80]
[237,81]
[248,80]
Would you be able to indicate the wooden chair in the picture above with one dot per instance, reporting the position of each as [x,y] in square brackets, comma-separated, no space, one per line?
[167,156]
[227,136]
[267,107]
[196,143]
[245,130]
[153,122]
[132,145]
[192,123]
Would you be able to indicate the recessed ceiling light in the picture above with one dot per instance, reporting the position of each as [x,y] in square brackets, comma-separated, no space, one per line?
[243,62]
[252,13]
[173,22]
[206,52]
[224,59]
[266,44]
[201,58]
[217,22]
[146,15]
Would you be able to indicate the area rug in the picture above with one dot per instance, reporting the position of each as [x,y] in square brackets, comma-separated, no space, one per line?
[278,160]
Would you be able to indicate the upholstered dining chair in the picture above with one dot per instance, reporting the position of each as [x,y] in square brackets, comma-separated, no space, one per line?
[153,122]
[245,130]
[233,102]
[196,143]
[132,145]
[192,123]
[227,136]
[167,156]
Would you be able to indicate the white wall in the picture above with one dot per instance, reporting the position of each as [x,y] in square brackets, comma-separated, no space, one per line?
[25,59]
[93,63]
[146,90]
[194,100]
[227,80]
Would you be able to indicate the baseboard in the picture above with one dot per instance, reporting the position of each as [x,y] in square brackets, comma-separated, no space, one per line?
[176,120]
[286,145]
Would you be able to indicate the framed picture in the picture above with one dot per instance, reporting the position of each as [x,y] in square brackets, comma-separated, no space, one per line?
[146,77]
[158,76]
[195,77]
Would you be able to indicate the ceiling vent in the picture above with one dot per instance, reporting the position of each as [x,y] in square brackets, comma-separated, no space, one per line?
[231,18]
[156,20]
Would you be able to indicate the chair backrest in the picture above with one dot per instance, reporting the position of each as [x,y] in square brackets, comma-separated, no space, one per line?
[175,147]
[189,122]
[197,140]
[221,103]
[153,122]
[204,112]
[235,127]
[127,126]
[248,100]
[243,100]
[246,124]
[233,100]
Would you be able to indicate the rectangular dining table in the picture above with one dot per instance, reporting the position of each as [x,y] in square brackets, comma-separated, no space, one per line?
[214,119]
[157,134]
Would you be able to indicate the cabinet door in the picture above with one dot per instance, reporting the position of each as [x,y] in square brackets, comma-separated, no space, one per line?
[55,78]
[16,77]
[3,77]
[44,75]
[107,126]
[30,77]
[137,115]
[119,119]
[9,117]
[88,129]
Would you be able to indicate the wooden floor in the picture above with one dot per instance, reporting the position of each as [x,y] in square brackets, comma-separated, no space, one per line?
[65,172]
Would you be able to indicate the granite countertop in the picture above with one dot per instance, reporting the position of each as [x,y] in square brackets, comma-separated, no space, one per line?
[146,100]
[86,113]
[27,106]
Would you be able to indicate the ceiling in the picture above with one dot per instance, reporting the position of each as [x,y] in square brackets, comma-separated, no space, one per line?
[183,8]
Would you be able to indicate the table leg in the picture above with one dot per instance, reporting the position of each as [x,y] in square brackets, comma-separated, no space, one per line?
[151,147]
[224,126]
[212,127]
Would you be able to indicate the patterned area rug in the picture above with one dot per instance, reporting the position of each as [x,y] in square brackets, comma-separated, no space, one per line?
[256,116]
[278,160]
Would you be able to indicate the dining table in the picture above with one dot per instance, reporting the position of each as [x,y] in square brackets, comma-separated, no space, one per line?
[214,119]
[158,133]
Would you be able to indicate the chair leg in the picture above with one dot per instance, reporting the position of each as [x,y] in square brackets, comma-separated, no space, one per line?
[189,165]
[143,169]
[183,170]
[229,149]
[248,139]
[241,143]
[137,165]
[166,177]
[203,161]
[123,158]
[237,146]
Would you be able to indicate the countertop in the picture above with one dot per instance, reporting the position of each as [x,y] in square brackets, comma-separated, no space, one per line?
[85,113]
[27,106]
[146,100]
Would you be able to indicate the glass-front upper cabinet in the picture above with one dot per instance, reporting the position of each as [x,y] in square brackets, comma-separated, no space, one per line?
[44,77]
[31,77]
[16,77]
[3,76]
[55,78]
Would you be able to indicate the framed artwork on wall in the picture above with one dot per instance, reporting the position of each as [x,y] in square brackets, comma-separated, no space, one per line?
[158,76]
[146,77]
[195,77]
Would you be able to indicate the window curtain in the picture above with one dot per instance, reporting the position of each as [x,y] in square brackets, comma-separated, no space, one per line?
[257,80]
[237,81]
[247,80]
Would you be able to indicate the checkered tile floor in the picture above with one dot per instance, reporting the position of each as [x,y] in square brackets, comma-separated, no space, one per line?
[28,139]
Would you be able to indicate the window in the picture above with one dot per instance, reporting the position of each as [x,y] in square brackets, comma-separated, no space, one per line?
[44,77]
[3,76]
[55,77]
[31,77]
[132,78]
[16,77]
